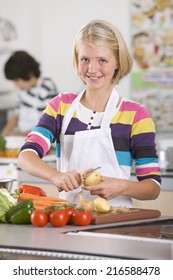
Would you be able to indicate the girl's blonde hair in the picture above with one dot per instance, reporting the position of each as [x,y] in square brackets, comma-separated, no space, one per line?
[104,34]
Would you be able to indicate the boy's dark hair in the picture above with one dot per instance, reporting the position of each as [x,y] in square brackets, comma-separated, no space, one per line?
[21,66]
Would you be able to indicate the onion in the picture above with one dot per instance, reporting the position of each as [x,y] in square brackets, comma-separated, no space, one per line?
[85,204]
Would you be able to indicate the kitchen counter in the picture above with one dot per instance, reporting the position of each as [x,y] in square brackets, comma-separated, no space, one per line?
[110,241]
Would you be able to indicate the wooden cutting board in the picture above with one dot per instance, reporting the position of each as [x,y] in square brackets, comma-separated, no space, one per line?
[132,214]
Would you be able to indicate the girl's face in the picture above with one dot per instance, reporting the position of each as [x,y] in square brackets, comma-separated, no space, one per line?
[96,66]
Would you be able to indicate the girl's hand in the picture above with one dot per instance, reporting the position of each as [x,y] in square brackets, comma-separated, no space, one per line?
[67,181]
[109,188]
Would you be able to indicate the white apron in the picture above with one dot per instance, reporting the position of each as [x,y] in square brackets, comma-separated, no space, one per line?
[91,148]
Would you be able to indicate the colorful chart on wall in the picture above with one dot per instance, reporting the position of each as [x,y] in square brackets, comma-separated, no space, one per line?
[152,47]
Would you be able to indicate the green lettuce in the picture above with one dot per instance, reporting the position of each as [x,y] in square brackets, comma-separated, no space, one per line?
[6,202]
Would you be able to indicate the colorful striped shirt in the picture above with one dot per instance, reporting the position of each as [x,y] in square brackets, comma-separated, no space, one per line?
[132,130]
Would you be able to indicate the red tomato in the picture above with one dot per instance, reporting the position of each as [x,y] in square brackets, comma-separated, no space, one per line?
[58,218]
[81,218]
[39,218]
[69,212]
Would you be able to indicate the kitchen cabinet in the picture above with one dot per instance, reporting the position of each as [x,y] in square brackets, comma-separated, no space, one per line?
[164,203]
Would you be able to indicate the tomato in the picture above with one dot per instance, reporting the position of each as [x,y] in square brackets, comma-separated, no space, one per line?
[39,218]
[69,211]
[58,218]
[81,218]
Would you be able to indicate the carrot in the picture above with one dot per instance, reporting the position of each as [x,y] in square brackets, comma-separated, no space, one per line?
[46,203]
[26,196]
[41,205]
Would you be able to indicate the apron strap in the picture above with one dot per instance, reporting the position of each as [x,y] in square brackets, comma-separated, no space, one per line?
[70,112]
[110,110]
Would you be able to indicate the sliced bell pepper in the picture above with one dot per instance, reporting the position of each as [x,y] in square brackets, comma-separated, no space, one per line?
[32,190]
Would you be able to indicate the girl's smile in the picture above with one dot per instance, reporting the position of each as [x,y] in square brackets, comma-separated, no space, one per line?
[96,65]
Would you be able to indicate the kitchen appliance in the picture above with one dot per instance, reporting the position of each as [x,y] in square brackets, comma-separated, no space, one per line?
[7,183]
[169,157]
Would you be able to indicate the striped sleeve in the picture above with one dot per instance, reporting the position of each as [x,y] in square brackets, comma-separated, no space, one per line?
[49,127]
[143,146]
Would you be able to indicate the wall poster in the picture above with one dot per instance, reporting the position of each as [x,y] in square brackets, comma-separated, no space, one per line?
[152,47]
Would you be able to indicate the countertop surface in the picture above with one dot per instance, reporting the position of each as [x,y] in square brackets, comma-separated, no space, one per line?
[116,240]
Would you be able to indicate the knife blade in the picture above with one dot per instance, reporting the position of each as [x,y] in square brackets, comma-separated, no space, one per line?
[84,176]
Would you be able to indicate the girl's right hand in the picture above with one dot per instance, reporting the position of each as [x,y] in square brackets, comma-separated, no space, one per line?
[67,181]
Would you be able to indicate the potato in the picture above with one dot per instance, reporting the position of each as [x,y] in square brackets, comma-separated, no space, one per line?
[101,205]
[86,205]
[93,179]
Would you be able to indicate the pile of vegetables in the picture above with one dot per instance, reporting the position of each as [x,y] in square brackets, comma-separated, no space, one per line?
[54,210]
[12,211]
[61,216]
[18,208]
[32,206]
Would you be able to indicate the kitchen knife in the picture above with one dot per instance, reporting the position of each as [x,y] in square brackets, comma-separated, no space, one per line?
[84,176]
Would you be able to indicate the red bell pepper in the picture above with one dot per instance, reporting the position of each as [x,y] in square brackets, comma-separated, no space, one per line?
[32,190]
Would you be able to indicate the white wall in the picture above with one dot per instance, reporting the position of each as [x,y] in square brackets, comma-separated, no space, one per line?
[61,24]
[46,28]
[25,17]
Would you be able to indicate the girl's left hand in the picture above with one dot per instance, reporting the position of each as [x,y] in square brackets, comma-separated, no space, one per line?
[109,188]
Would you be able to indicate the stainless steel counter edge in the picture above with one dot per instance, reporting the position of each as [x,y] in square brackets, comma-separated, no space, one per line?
[69,242]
